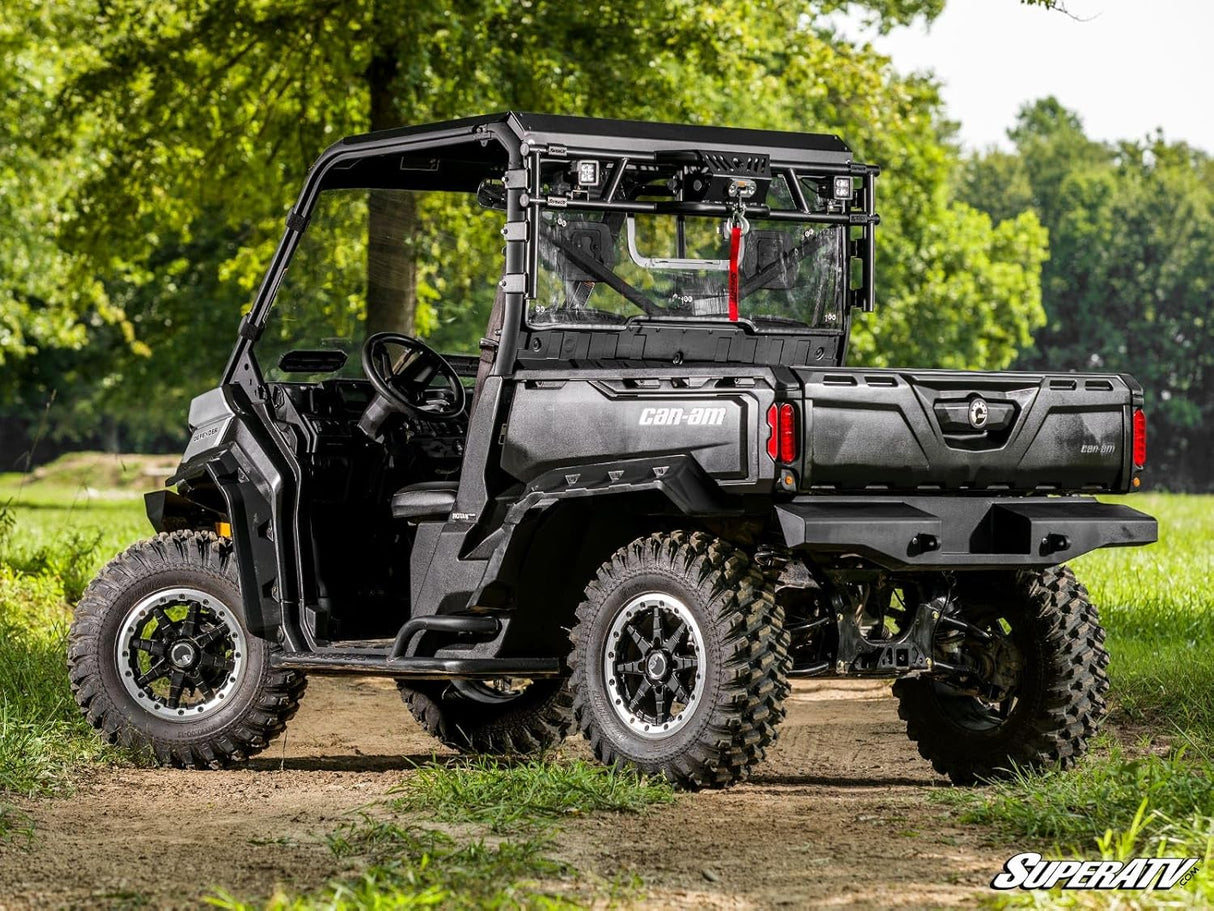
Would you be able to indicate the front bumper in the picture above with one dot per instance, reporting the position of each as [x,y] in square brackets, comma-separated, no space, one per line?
[961,532]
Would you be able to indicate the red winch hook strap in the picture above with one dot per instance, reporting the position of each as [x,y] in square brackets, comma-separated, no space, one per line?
[735,245]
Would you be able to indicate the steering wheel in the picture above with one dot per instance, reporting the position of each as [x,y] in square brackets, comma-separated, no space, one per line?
[402,382]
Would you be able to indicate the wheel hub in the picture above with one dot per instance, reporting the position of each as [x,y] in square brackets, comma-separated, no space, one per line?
[653,665]
[181,653]
[656,665]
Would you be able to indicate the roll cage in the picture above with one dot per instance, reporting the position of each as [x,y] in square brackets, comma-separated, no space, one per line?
[524,157]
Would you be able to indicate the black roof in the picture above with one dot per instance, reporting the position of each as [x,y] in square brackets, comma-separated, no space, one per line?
[591,133]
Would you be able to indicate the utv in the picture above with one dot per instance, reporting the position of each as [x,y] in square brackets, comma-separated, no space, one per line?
[656,497]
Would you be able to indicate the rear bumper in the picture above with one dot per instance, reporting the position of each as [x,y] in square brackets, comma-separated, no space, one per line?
[957,532]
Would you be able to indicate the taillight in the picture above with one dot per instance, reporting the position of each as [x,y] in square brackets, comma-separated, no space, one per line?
[1140,438]
[788,434]
[782,433]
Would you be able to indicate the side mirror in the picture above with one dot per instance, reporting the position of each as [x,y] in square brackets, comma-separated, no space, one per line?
[491,194]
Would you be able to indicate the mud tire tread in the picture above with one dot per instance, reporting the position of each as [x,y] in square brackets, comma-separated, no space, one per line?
[274,696]
[1072,692]
[744,720]
[536,722]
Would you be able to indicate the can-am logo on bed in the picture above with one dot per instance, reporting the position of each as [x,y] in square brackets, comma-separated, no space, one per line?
[1032,871]
[691,417]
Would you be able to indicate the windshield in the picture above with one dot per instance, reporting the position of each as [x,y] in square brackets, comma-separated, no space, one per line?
[603,268]
[382,259]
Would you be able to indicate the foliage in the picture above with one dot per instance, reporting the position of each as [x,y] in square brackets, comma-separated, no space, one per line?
[1128,800]
[403,866]
[969,295]
[1156,604]
[422,868]
[509,796]
[1130,274]
[1113,808]
[47,295]
[170,135]
[42,736]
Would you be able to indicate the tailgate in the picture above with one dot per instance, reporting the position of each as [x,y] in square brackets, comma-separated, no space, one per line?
[955,430]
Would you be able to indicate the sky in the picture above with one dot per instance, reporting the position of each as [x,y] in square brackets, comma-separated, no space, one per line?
[1129,67]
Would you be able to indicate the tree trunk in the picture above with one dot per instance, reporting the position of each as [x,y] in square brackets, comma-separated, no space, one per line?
[392,220]
[391,262]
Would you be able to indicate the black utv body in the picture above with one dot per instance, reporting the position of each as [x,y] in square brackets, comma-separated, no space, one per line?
[657,495]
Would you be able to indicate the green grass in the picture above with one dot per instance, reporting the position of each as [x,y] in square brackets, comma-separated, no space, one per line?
[56,531]
[43,739]
[406,866]
[1073,809]
[509,796]
[1112,808]
[68,518]
[68,543]
[1157,604]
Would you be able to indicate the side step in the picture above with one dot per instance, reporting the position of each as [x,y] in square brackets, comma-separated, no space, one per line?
[376,662]
[394,661]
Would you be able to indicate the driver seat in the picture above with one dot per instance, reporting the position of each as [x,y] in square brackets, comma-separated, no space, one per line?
[436,499]
[425,500]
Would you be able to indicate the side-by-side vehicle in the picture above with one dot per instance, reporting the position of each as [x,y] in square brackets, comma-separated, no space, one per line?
[656,496]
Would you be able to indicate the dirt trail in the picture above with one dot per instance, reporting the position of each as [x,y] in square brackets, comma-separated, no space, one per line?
[837,817]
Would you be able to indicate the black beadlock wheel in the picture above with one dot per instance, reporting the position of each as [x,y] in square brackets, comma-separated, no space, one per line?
[496,718]
[680,660]
[160,661]
[1043,645]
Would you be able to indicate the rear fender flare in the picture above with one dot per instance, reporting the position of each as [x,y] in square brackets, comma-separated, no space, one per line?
[678,480]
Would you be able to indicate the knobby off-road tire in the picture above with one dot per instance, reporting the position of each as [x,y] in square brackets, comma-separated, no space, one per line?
[684,617]
[471,717]
[1061,694]
[175,596]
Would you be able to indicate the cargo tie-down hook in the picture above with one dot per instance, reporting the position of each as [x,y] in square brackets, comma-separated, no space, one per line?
[738,227]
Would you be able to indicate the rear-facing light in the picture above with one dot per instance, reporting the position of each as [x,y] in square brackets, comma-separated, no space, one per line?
[782,433]
[1140,438]
[788,434]
[773,432]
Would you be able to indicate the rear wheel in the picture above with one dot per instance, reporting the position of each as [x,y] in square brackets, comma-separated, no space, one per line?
[1037,645]
[680,660]
[160,660]
[494,717]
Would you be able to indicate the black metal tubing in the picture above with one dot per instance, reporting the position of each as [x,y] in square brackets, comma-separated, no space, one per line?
[701,208]
[481,627]
[410,140]
[376,663]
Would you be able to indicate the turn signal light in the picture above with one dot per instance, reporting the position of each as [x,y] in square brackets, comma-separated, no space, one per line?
[782,433]
[1140,438]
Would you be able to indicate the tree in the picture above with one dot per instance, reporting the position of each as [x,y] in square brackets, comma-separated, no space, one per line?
[1130,280]
[184,128]
[46,297]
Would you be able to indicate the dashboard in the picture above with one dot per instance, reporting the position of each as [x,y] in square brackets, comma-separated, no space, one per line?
[320,422]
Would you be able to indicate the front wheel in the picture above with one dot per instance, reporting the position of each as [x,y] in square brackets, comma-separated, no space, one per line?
[160,660]
[680,660]
[1036,641]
